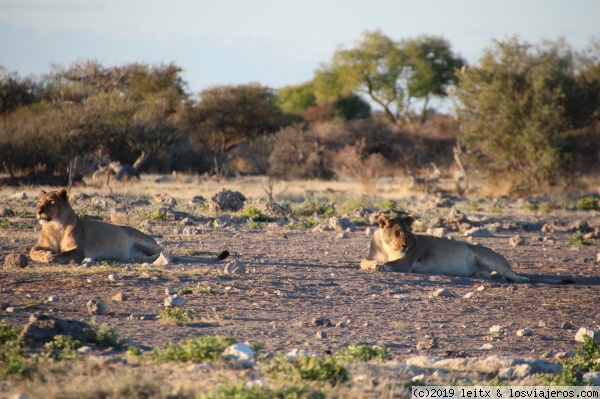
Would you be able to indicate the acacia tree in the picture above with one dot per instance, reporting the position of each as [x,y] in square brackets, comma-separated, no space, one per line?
[517,106]
[392,74]
[226,116]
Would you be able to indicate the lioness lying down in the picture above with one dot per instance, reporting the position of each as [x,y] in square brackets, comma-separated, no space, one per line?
[395,248]
[65,237]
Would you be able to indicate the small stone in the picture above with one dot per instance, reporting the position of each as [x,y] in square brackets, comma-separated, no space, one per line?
[10,309]
[427,342]
[496,329]
[468,295]
[321,322]
[240,353]
[174,300]
[437,232]
[342,235]
[88,262]
[487,346]
[566,326]
[564,355]
[525,332]
[369,233]
[321,335]
[235,267]
[163,259]
[7,213]
[341,324]
[7,290]
[593,377]
[120,297]
[96,306]
[481,288]
[53,298]
[170,291]
[542,323]
[515,241]
[478,232]
[521,371]
[85,349]
[442,292]
[15,261]
[113,277]
[593,333]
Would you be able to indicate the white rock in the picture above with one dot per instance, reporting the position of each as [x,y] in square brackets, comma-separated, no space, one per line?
[593,377]
[295,353]
[524,332]
[481,288]
[487,346]
[88,262]
[163,259]
[85,349]
[113,277]
[522,370]
[235,267]
[369,232]
[468,295]
[53,298]
[437,232]
[496,329]
[170,291]
[593,333]
[22,195]
[96,306]
[239,352]
[174,300]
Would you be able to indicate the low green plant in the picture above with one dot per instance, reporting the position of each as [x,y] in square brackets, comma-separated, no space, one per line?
[305,368]
[196,350]
[205,289]
[13,360]
[362,353]
[306,223]
[242,391]
[177,316]
[105,336]
[5,223]
[312,205]
[134,351]
[578,239]
[63,347]
[351,204]
[254,214]
[251,224]
[588,204]
[387,204]
[586,359]
[23,214]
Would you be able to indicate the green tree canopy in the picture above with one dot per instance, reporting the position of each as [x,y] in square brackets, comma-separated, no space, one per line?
[518,104]
[392,74]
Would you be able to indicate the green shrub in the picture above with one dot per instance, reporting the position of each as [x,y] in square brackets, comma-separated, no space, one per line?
[177,316]
[5,223]
[363,353]
[13,360]
[588,204]
[105,336]
[241,391]
[587,358]
[196,350]
[254,214]
[577,239]
[306,368]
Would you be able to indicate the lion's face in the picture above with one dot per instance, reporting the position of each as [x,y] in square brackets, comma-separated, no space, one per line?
[397,237]
[51,205]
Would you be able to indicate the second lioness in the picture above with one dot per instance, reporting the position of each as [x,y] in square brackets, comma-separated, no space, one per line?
[65,237]
[396,248]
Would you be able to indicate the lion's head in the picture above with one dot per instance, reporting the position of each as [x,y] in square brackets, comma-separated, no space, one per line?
[397,237]
[51,205]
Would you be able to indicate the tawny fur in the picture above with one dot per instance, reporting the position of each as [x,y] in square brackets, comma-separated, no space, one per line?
[65,237]
[395,248]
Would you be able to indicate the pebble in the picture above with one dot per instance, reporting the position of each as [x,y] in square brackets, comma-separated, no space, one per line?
[468,295]
[235,267]
[321,322]
[593,333]
[164,259]
[478,232]
[120,297]
[369,232]
[85,349]
[96,306]
[566,326]
[321,334]
[525,332]
[515,241]
[496,329]
[427,342]
[170,291]
[53,298]
[341,324]
[7,290]
[239,353]
[442,292]
[593,377]
[10,309]
[542,323]
[174,300]
[15,261]
[113,277]
[487,346]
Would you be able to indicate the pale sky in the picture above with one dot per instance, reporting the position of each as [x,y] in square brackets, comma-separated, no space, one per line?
[273,42]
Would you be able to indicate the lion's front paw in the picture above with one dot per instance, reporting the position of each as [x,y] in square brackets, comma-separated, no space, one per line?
[371,265]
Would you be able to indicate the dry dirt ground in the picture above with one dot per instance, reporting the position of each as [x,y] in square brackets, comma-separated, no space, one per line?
[294,275]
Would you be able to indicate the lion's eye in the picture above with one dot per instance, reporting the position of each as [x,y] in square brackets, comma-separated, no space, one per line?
[397,233]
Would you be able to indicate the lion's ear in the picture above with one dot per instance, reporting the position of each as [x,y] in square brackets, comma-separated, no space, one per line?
[383,221]
[409,219]
[42,192]
[62,193]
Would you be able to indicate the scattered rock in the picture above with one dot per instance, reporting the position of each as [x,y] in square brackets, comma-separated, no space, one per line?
[593,333]
[478,232]
[96,306]
[321,335]
[53,298]
[525,332]
[19,196]
[43,328]
[119,297]
[341,324]
[170,291]
[15,261]
[487,346]
[592,377]
[342,235]
[566,326]
[515,241]
[497,329]
[341,223]
[174,300]
[164,259]
[437,232]
[113,277]
[469,295]
[227,201]
[296,353]
[235,267]
[7,213]
[427,342]
[321,322]
[240,353]
[165,199]
[88,262]
[442,292]
[580,225]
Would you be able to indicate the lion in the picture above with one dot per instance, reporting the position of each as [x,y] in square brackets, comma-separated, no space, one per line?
[395,248]
[65,237]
